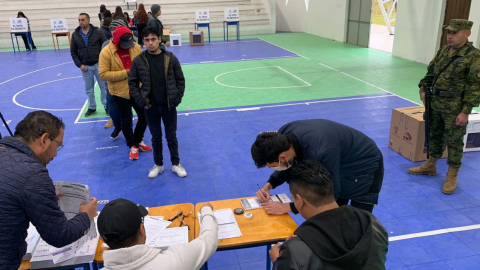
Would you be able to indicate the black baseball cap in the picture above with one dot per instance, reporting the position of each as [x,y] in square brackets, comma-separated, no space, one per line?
[126,41]
[119,220]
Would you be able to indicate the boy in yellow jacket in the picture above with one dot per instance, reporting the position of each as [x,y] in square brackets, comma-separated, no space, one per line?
[114,68]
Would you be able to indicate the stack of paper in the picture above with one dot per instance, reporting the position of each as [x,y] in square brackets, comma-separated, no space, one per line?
[227,224]
[254,203]
[32,241]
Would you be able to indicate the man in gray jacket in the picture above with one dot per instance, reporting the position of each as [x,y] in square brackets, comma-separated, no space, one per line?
[27,193]
[120,225]
[332,237]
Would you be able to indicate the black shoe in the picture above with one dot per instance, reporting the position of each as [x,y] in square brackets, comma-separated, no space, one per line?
[106,111]
[115,133]
[90,112]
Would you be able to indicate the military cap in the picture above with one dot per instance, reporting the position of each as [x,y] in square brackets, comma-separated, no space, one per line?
[459,24]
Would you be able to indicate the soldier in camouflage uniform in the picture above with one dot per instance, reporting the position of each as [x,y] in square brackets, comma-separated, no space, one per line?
[453,78]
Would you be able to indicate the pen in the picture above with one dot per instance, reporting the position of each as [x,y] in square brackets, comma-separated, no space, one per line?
[176,216]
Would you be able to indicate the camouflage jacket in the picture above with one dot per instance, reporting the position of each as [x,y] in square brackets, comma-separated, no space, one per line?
[466,78]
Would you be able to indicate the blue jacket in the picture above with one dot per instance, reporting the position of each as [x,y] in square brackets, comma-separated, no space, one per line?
[350,156]
[27,195]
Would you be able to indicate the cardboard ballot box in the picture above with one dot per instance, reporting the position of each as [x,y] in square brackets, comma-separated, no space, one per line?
[196,38]
[407,133]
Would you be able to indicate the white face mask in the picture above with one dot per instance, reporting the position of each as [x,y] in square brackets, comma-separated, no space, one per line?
[282,168]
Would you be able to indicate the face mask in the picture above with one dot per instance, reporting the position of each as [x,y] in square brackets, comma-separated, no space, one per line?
[282,168]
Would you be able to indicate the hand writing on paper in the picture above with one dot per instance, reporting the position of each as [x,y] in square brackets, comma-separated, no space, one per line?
[276,208]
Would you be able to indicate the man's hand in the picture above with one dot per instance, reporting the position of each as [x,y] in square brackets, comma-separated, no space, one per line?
[90,208]
[462,120]
[208,204]
[276,208]
[422,97]
[263,194]
[60,194]
[128,71]
[83,68]
[291,236]
[167,44]
[148,106]
[275,252]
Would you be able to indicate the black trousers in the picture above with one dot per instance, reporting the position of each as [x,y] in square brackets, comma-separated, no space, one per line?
[155,115]
[375,188]
[125,106]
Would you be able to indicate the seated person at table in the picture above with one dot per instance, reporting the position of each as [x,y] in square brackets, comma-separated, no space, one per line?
[120,225]
[332,237]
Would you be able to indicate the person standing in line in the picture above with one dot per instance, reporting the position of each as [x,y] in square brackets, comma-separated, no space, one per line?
[157,84]
[154,21]
[101,14]
[142,20]
[86,45]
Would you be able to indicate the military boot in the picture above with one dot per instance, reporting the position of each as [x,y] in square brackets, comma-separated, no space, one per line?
[427,168]
[451,180]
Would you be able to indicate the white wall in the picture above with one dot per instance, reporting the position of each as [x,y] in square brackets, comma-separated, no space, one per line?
[325,18]
[418,29]
[475,18]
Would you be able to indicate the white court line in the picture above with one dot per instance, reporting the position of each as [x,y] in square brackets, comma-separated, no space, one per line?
[268,106]
[83,108]
[435,232]
[219,42]
[34,72]
[248,59]
[272,87]
[14,99]
[367,83]
[285,49]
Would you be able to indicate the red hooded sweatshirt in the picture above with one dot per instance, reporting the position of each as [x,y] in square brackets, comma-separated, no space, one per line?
[124,54]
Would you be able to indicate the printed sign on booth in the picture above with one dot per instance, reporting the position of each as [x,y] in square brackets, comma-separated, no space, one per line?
[59,25]
[18,25]
[202,16]
[232,14]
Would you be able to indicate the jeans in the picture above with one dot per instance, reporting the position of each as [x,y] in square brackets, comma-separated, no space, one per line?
[25,40]
[88,79]
[154,117]
[113,111]
[125,106]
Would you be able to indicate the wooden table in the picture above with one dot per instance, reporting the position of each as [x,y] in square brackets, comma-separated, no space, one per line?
[167,212]
[262,230]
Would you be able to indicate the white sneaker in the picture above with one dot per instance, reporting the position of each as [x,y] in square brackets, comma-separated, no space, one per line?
[155,171]
[179,170]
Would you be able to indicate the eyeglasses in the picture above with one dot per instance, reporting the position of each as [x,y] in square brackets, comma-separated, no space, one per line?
[60,145]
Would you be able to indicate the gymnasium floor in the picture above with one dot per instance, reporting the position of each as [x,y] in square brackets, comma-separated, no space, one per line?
[234,91]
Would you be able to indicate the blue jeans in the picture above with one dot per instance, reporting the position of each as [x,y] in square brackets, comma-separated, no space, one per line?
[113,111]
[90,86]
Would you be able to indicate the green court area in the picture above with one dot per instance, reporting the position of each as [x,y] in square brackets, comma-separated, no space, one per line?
[327,69]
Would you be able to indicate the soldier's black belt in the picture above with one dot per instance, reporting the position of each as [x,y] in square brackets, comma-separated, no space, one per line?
[447,94]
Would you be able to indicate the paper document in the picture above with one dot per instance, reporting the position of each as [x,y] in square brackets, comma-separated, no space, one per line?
[227,224]
[62,254]
[74,195]
[254,203]
[32,240]
[170,237]
[153,227]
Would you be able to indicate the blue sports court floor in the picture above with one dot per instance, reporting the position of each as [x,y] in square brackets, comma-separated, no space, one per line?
[267,81]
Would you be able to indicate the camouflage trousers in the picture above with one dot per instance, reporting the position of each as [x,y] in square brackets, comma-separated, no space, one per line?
[443,129]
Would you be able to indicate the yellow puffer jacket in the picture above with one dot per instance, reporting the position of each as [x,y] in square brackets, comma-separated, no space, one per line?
[111,70]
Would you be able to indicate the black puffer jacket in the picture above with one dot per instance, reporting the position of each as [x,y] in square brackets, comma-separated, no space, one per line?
[83,55]
[140,75]
[27,195]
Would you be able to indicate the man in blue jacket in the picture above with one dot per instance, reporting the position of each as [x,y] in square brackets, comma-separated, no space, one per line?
[354,161]
[27,193]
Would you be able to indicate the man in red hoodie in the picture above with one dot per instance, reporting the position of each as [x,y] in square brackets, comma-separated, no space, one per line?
[114,67]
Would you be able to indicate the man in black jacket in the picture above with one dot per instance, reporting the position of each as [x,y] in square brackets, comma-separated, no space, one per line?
[162,87]
[154,21]
[86,45]
[27,193]
[353,160]
[332,237]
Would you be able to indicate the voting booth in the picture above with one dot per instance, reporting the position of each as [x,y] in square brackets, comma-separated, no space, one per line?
[196,38]
[231,17]
[19,27]
[59,29]
[202,19]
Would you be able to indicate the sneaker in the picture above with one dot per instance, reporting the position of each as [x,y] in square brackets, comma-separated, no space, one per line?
[144,148]
[133,153]
[115,133]
[179,170]
[109,124]
[90,112]
[155,171]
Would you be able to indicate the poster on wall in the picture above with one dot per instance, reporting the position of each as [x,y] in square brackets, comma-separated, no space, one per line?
[59,25]
[202,16]
[18,25]
[232,14]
